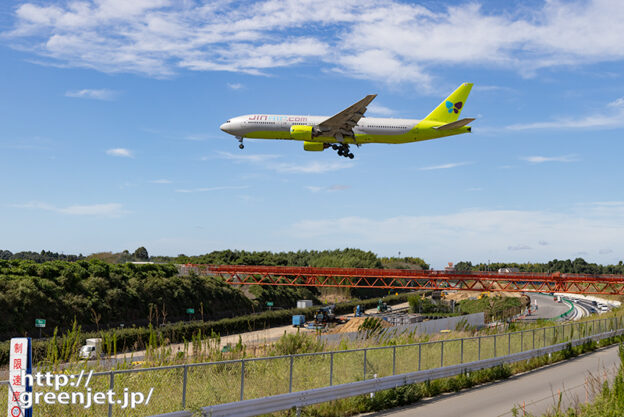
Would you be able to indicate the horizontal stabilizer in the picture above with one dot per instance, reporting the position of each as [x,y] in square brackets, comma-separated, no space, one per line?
[455,125]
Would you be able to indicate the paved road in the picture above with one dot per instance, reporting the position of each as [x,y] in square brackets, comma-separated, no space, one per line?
[536,389]
[547,307]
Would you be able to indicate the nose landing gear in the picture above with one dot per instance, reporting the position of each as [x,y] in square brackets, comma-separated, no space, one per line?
[343,150]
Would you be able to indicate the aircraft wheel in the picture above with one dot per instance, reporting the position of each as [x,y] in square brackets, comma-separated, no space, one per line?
[241,146]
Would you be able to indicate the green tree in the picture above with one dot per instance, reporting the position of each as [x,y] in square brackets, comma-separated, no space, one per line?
[141,254]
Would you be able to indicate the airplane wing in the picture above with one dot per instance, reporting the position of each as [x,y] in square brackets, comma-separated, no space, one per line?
[342,124]
[455,125]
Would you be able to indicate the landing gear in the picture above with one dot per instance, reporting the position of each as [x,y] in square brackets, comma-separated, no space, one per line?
[343,150]
[240,139]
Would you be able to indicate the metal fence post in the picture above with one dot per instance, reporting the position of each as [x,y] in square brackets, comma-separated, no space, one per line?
[419,349]
[184,387]
[442,354]
[111,386]
[242,379]
[494,345]
[292,360]
[393,360]
[364,364]
[461,355]
[331,369]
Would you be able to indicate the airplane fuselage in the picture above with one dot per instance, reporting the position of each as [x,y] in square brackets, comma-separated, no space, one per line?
[351,127]
[367,130]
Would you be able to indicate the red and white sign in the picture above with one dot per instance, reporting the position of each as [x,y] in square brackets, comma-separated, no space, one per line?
[18,367]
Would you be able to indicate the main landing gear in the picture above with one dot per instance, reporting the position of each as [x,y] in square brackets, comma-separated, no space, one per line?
[343,150]
[240,139]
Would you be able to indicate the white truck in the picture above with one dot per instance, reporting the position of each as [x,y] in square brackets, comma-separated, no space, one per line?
[92,349]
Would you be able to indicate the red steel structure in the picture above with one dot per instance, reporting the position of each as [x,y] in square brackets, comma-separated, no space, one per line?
[412,279]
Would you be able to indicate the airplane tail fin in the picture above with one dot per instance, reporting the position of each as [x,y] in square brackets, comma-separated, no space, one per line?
[449,110]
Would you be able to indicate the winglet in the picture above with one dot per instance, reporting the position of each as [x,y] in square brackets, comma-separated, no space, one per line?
[449,110]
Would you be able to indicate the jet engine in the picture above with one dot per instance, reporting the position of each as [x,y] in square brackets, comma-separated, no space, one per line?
[313,146]
[300,132]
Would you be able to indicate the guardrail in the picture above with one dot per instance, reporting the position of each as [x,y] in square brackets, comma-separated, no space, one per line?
[220,384]
[570,310]
[301,399]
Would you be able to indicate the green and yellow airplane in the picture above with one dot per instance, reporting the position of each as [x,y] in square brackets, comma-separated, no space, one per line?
[350,127]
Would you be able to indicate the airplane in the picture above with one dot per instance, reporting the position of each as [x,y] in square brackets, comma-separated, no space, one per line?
[351,127]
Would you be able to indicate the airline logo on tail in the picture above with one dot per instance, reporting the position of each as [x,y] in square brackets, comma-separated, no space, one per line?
[448,111]
[453,107]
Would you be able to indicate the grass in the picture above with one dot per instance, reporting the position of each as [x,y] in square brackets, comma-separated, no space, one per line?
[221,382]
[608,402]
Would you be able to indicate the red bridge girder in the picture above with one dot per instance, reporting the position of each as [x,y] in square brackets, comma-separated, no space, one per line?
[412,279]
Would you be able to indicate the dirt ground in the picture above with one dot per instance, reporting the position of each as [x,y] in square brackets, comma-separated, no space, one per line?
[465,295]
[353,325]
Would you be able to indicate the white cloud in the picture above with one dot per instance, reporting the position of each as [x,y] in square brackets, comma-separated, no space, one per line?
[331,188]
[619,103]
[612,116]
[122,152]
[314,167]
[208,189]
[519,247]
[385,40]
[268,161]
[102,94]
[444,166]
[256,158]
[235,86]
[541,159]
[103,210]
[198,137]
[374,108]
[476,234]
[161,181]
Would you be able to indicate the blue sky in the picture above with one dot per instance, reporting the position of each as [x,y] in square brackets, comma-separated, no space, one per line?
[110,140]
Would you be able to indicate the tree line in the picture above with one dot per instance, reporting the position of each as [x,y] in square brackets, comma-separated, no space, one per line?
[101,291]
[97,294]
[567,266]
